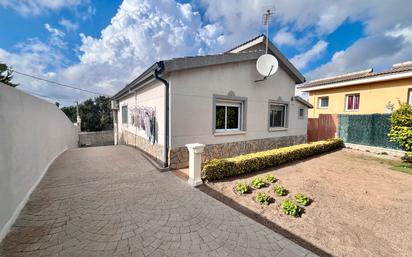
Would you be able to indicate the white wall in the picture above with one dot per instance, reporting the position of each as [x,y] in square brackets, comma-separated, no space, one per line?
[152,96]
[33,133]
[192,102]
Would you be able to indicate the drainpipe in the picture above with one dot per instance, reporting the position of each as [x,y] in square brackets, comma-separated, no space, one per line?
[156,74]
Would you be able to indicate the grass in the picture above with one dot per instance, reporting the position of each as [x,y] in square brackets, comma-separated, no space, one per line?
[403,167]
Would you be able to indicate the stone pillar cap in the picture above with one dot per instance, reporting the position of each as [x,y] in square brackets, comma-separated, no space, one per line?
[196,147]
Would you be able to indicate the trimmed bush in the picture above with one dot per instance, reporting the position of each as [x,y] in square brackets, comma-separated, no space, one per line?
[302,199]
[258,183]
[263,198]
[290,208]
[280,190]
[243,164]
[242,188]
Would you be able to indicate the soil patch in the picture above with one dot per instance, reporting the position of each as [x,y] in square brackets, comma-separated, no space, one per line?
[360,207]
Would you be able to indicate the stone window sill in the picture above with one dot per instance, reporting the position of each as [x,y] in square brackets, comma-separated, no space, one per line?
[277,129]
[229,133]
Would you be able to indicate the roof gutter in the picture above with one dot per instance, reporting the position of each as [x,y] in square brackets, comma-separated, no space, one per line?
[160,68]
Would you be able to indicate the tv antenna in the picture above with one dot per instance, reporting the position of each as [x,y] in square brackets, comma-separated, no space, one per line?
[267,18]
[267,64]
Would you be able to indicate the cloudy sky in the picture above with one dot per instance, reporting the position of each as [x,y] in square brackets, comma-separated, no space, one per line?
[101,45]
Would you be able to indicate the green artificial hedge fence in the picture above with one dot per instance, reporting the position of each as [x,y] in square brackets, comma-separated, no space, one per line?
[243,164]
[366,129]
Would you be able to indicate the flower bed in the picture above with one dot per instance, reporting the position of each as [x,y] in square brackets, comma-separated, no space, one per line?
[243,164]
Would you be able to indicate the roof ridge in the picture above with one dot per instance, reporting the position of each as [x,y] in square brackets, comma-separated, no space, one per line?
[342,76]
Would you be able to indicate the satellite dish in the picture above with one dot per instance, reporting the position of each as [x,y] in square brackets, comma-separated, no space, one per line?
[267,65]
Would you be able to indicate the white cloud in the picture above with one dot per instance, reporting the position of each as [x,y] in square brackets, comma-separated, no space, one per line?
[379,52]
[69,25]
[284,37]
[302,60]
[56,36]
[35,7]
[140,33]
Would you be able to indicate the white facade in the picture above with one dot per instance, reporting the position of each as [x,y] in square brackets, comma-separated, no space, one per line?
[192,103]
[192,93]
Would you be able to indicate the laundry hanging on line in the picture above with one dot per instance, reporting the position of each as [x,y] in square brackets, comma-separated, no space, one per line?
[144,118]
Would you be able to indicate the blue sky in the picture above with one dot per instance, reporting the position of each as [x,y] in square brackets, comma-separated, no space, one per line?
[101,45]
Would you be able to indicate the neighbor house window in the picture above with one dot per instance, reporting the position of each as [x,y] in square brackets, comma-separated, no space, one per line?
[301,113]
[323,102]
[228,115]
[124,114]
[277,115]
[410,96]
[352,102]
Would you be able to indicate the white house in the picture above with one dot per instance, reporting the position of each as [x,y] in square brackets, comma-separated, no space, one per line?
[213,100]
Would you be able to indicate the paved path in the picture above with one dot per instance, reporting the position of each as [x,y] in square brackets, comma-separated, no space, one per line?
[110,201]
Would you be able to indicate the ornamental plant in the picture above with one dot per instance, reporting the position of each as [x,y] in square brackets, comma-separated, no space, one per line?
[270,178]
[258,183]
[401,129]
[280,190]
[263,198]
[302,199]
[290,208]
[242,188]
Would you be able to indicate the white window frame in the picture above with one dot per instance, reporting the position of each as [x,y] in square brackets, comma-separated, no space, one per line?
[285,115]
[347,100]
[127,115]
[320,102]
[229,103]
[303,113]
[410,96]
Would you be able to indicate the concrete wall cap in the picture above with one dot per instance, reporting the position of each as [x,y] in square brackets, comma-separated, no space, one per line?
[196,147]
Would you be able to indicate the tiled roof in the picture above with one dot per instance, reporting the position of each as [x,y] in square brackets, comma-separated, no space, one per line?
[396,68]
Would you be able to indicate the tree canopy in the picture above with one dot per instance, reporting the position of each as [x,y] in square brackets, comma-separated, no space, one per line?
[6,75]
[94,113]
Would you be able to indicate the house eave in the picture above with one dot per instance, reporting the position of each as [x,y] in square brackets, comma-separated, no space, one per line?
[361,81]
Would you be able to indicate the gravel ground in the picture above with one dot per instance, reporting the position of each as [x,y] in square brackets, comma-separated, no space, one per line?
[360,206]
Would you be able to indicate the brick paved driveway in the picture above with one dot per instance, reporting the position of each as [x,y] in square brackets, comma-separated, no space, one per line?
[110,201]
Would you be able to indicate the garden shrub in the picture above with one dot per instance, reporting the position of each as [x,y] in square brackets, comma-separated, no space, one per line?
[243,164]
[263,198]
[401,129]
[258,183]
[302,199]
[290,208]
[242,188]
[280,190]
[270,178]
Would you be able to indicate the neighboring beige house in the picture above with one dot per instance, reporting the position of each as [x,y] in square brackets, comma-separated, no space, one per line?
[213,100]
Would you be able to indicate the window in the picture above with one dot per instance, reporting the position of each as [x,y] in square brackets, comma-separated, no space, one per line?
[410,96]
[277,115]
[124,114]
[228,115]
[352,102]
[301,113]
[324,102]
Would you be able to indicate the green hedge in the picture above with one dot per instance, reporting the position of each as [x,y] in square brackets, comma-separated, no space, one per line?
[243,164]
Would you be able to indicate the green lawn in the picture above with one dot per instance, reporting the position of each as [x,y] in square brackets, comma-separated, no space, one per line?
[403,167]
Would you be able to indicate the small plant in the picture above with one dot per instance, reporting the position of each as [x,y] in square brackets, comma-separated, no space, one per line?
[270,178]
[258,183]
[242,188]
[302,199]
[290,208]
[263,198]
[280,190]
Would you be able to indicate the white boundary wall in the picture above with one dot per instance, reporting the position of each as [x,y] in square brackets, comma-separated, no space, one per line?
[33,133]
